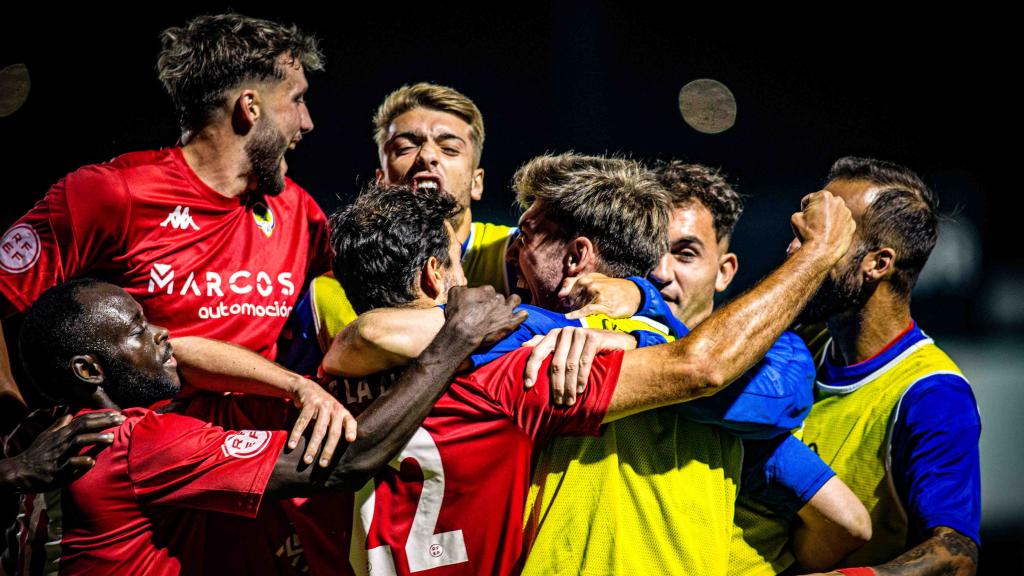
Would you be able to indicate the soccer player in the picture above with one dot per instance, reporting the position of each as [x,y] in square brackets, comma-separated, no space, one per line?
[779,472]
[585,214]
[210,236]
[429,136]
[154,496]
[893,415]
[487,426]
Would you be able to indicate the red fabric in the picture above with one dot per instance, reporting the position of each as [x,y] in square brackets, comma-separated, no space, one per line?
[212,272]
[475,451]
[857,571]
[144,508]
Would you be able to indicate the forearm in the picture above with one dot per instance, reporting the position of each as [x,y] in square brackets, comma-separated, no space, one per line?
[831,526]
[386,425]
[946,552]
[217,366]
[382,340]
[722,347]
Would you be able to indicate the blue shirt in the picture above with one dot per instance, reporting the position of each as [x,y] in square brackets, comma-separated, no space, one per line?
[782,473]
[935,464]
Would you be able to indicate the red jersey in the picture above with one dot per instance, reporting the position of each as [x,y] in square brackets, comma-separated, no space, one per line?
[146,506]
[452,501]
[200,264]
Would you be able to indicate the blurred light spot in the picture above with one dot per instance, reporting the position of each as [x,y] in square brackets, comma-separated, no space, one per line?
[707,106]
[955,263]
[14,86]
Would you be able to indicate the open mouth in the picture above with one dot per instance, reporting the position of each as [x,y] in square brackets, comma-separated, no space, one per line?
[170,360]
[426,182]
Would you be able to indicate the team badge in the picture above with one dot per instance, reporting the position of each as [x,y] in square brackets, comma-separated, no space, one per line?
[264,218]
[245,443]
[19,249]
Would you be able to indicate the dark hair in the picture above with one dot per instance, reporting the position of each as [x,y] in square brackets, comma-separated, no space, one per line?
[382,241]
[210,55]
[688,183]
[56,328]
[615,202]
[903,216]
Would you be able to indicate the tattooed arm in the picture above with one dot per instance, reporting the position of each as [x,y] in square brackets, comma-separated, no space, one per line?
[946,553]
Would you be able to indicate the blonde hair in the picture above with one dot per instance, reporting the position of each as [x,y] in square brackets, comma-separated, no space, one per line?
[431,97]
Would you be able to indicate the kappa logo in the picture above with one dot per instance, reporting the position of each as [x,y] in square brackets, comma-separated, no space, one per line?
[245,443]
[179,219]
[264,218]
[19,249]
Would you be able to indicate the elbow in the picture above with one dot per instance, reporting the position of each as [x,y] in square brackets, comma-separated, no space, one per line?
[858,528]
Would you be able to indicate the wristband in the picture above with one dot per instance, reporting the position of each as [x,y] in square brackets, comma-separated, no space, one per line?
[857,571]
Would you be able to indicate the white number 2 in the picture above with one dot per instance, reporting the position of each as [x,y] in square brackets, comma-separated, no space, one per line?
[424,549]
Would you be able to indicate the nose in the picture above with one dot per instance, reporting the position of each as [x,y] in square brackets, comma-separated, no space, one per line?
[305,120]
[512,252]
[662,273]
[428,154]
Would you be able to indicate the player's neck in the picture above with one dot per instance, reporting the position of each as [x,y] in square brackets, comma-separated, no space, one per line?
[862,334]
[219,161]
[464,226]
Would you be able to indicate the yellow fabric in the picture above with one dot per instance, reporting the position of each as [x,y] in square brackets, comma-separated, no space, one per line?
[852,434]
[760,541]
[483,263]
[654,494]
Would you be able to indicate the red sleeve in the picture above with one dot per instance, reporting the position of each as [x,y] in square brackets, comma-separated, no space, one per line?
[176,460]
[80,222]
[320,253]
[532,410]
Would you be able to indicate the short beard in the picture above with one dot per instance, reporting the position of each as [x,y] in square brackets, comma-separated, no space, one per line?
[846,292]
[133,388]
[264,150]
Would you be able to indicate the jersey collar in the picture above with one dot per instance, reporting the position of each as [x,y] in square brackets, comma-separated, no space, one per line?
[835,379]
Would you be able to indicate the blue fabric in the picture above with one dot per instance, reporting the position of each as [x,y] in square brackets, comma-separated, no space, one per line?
[653,306]
[935,463]
[782,473]
[299,349]
[770,399]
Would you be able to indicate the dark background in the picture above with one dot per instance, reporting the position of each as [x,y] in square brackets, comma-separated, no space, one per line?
[605,78]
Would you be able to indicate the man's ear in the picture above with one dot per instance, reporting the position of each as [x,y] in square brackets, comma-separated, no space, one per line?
[87,368]
[879,264]
[580,257]
[378,176]
[728,264]
[476,191]
[247,110]
[432,278]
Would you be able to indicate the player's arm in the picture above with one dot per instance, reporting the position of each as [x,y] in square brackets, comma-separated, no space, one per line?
[947,552]
[474,315]
[381,340]
[217,366]
[833,524]
[53,458]
[734,338]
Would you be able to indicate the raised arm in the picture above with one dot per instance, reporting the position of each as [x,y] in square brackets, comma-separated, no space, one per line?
[381,340]
[474,315]
[734,338]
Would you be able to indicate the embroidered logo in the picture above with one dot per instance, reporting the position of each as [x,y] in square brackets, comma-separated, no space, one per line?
[245,443]
[19,249]
[264,218]
[179,219]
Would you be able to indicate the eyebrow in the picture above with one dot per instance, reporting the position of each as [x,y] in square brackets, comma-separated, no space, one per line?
[449,136]
[689,239]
